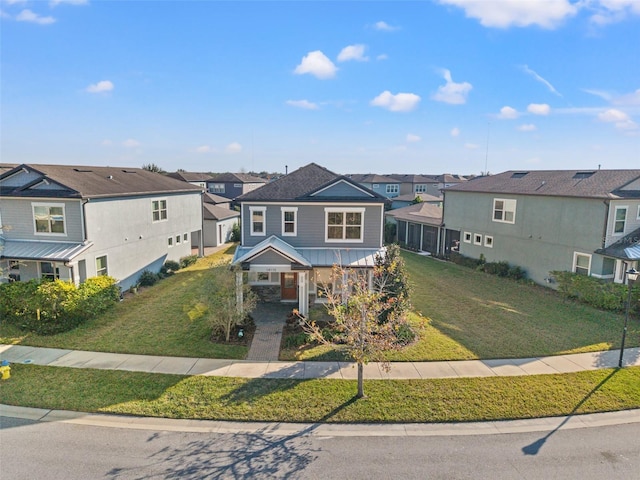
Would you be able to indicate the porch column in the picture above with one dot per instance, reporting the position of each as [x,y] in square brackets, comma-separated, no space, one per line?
[303,293]
[239,297]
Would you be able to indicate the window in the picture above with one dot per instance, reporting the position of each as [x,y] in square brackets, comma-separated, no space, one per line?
[262,276]
[216,188]
[289,223]
[14,271]
[620,220]
[582,263]
[638,216]
[477,239]
[49,271]
[170,242]
[257,216]
[375,186]
[49,219]
[237,185]
[421,188]
[467,237]
[393,188]
[488,241]
[178,239]
[185,237]
[344,224]
[504,210]
[159,208]
[101,265]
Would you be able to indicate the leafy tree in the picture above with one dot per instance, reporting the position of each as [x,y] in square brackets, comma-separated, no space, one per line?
[418,199]
[356,309]
[152,167]
[390,279]
[221,298]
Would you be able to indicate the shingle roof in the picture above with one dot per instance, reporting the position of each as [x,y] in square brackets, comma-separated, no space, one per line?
[191,176]
[562,183]
[410,197]
[94,182]
[213,212]
[214,199]
[371,178]
[236,178]
[411,178]
[419,213]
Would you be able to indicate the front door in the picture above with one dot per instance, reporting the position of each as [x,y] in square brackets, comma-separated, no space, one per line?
[289,285]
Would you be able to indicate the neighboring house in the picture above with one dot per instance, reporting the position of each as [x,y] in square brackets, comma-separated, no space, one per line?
[385,186]
[587,222]
[417,184]
[232,185]
[406,200]
[218,220]
[194,178]
[76,222]
[418,227]
[296,228]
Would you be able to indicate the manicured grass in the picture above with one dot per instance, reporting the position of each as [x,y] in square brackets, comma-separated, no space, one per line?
[165,319]
[465,314]
[438,400]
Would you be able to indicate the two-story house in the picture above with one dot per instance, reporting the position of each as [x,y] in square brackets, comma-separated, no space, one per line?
[587,222]
[232,185]
[76,222]
[296,228]
[385,186]
[199,179]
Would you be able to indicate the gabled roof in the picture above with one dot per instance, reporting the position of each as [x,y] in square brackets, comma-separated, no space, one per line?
[92,182]
[411,178]
[410,197]
[191,176]
[562,183]
[272,243]
[214,199]
[236,178]
[418,213]
[627,248]
[304,184]
[372,178]
[213,212]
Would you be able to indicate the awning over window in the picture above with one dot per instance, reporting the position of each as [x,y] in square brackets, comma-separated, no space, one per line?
[46,251]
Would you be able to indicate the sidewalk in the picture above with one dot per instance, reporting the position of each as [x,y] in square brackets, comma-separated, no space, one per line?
[307,370]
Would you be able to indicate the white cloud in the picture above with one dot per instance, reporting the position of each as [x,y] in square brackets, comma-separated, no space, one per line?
[353,52]
[234,147]
[619,118]
[131,143]
[455,131]
[384,27]
[508,113]
[412,138]
[471,146]
[204,149]
[517,13]
[611,11]
[100,87]
[382,56]
[27,15]
[527,70]
[401,102]
[529,127]
[629,99]
[539,108]
[55,3]
[305,104]
[451,92]
[599,93]
[317,64]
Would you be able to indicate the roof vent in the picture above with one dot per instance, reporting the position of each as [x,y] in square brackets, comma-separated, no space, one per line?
[518,174]
[110,177]
[83,170]
[581,175]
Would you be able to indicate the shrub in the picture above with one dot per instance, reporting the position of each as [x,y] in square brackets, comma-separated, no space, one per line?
[98,294]
[188,260]
[236,234]
[148,278]
[170,267]
[390,229]
[296,340]
[16,301]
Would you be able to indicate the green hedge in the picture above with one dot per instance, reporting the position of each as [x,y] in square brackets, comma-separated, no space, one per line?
[501,269]
[51,307]
[596,292]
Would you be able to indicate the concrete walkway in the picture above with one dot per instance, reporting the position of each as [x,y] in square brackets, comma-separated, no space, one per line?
[270,320]
[307,370]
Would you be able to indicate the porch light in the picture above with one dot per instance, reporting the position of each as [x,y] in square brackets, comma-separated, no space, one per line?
[632,276]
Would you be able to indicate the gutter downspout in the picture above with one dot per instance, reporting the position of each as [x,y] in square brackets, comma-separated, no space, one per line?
[443,232]
[201,239]
[607,203]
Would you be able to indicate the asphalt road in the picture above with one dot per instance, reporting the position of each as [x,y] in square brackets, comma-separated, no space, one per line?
[54,450]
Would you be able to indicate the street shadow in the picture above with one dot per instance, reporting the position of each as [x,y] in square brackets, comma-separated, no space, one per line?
[534,448]
[259,455]
[611,358]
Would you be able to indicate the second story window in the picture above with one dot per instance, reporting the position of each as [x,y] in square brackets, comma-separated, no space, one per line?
[49,219]
[504,210]
[421,188]
[258,216]
[344,225]
[216,188]
[393,188]
[289,221]
[159,209]
[620,220]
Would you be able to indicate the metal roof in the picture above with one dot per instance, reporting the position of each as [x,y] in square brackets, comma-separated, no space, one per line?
[48,251]
[627,248]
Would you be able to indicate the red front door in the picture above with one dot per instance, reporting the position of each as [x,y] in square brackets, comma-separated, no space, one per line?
[289,285]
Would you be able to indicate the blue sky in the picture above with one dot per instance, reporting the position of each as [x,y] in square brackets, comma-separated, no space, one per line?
[456,86]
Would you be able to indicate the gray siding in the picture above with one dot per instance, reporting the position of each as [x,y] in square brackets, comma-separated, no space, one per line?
[18,222]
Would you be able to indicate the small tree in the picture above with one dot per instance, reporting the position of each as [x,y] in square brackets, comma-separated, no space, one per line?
[152,167]
[357,309]
[390,279]
[221,298]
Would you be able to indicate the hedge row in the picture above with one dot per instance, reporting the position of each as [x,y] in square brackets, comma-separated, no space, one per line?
[50,307]
[501,269]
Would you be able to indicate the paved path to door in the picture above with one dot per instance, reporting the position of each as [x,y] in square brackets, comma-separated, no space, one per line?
[270,319]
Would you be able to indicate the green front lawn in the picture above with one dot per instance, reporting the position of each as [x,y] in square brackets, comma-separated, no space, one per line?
[465,314]
[165,319]
[438,400]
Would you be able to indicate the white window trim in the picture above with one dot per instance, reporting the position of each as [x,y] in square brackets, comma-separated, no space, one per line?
[467,237]
[284,210]
[575,258]
[64,218]
[264,221]
[185,237]
[637,216]
[329,210]
[96,263]
[506,201]
[477,239]
[170,241]
[166,209]
[421,188]
[375,185]
[615,216]
[392,188]
[217,188]
[488,241]
[178,239]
